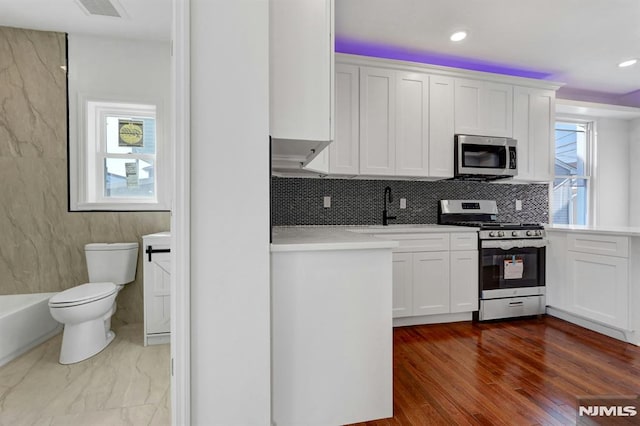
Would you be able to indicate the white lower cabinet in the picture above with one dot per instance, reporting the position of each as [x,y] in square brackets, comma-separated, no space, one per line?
[588,280]
[157,288]
[402,285]
[430,283]
[464,281]
[598,287]
[432,275]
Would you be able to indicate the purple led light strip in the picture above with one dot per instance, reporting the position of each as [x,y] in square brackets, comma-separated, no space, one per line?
[365,48]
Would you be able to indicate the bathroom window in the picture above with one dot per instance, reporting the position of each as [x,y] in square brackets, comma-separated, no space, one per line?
[119,158]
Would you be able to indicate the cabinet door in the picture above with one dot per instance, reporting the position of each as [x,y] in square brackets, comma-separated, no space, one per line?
[464,281]
[496,109]
[598,287]
[402,285]
[301,50]
[157,286]
[344,152]
[441,127]
[377,121]
[430,283]
[467,107]
[483,108]
[533,128]
[542,133]
[412,124]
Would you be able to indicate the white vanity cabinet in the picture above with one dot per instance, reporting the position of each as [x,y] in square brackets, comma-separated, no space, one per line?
[483,108]
[157,286]
[434,275]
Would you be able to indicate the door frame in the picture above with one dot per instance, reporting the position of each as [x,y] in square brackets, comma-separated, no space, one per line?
[180,213]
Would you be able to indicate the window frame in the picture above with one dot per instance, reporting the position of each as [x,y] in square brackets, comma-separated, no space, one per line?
[589,169]
[85,178]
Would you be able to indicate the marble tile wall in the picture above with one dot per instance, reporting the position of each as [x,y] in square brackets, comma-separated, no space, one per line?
[41,243]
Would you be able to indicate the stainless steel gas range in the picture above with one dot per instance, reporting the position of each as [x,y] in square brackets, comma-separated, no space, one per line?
[511,259]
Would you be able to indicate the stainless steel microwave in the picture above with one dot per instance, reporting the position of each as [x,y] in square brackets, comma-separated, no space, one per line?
[485,157]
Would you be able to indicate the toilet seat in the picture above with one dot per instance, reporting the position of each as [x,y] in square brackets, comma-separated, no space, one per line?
[82,294]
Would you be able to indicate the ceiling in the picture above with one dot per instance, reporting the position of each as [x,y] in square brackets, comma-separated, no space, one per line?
[142,19]
[577,42]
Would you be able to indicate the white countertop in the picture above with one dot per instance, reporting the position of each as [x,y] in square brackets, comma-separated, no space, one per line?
[606,230]
[322,237]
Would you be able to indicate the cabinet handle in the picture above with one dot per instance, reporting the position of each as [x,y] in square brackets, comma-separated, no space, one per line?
[150,251]
[514,304]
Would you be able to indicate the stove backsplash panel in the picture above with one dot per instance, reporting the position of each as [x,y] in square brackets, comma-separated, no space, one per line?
[299,201]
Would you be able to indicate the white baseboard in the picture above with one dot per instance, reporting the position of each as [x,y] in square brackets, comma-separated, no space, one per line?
[617,333]
[432,319]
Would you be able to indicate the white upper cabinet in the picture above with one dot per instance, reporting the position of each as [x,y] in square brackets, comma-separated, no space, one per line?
[412,124]
[483,108]
[533,128]
[393,119]
[377,121]
[301,50]
[344,151]
[441,126]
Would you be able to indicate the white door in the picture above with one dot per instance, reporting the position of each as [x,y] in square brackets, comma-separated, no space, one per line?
[402,285]
[441,126]
[464,281]
[344,150]
[599,287]
[430,283]
[412,124]
[377,121]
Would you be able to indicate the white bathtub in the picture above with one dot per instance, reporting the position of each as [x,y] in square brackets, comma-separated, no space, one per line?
[25,322]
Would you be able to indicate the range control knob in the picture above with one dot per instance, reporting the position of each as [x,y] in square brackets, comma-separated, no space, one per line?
[530,233]
[500,234]
[515,234]
[492,234]
[538,233]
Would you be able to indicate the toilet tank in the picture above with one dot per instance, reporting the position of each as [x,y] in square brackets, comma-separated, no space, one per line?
[112,262]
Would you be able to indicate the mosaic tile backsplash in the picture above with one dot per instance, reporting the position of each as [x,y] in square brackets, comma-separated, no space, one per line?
[299,201]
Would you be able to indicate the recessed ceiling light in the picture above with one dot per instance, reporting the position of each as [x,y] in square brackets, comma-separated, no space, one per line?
[627,63]
[458,36]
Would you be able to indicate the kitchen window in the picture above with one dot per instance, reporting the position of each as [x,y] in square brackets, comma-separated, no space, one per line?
[119,158]
[571,192]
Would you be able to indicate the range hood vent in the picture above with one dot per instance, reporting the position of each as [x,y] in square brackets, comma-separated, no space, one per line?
[99,7]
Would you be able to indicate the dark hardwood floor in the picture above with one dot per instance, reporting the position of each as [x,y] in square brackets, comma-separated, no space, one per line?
[520,372]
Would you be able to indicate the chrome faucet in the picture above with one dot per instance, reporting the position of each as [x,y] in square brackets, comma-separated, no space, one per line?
[387,196]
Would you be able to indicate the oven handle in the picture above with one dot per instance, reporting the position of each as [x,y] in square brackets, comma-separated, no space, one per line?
[511,244]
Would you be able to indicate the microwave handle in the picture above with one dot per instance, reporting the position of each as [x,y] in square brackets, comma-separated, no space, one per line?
[513,158]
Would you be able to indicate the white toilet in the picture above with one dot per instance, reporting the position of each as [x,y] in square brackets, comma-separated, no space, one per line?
[86,310]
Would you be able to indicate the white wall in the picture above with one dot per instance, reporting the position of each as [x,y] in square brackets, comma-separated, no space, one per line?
[230,276]
[611,169]
[612,175]
[118,69]
[634,172]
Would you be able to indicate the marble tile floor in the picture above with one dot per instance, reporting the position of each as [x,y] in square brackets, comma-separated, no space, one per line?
[125,384]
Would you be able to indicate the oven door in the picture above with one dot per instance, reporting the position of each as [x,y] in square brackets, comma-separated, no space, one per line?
[502,271]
